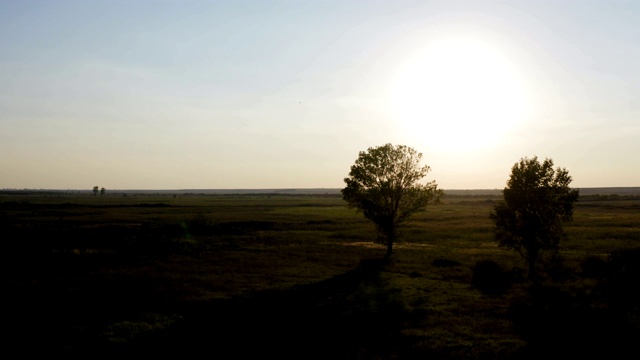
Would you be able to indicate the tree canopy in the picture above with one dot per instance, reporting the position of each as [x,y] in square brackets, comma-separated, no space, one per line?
[537,201]
[383,184]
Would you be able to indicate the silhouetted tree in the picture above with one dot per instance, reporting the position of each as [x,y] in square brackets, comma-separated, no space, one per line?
[383,185]
[537,201]
[95,190]
[103,191]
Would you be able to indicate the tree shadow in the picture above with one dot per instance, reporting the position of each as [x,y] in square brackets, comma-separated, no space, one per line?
[603,323]
[353,315]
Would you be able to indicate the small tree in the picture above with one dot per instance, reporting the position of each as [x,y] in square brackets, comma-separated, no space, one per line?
[383,185]
[537,201]
[102,191]
[95,190]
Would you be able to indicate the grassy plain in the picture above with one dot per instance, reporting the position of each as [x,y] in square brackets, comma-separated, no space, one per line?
[300,276]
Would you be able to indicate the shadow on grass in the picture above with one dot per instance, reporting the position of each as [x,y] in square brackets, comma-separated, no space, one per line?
[601,323]
[353,315]
[555,324]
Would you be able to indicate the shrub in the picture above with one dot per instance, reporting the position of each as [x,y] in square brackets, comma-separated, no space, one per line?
[445,263]
[593,267]
[489,278]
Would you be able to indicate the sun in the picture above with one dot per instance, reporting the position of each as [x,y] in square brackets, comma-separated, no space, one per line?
[458,95]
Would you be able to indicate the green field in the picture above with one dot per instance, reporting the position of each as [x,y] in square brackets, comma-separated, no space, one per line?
[300,276]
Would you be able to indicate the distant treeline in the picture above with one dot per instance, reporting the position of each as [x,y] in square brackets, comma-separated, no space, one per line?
[595,194]
[39,192]
[473,193]
[609,197]
[610,191]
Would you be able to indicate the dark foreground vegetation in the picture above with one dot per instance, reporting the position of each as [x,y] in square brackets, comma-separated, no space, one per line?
[300,277]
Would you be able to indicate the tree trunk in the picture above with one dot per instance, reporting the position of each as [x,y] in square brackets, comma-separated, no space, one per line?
[391,238]
[533,276]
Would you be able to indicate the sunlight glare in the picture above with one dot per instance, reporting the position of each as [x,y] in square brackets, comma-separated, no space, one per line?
[458,95]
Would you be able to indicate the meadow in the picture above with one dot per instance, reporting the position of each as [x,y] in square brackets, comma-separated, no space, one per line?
[301,276]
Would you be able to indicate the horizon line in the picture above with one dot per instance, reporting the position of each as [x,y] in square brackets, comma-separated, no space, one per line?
[273,189]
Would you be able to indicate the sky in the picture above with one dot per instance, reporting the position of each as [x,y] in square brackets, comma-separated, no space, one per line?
[285,94]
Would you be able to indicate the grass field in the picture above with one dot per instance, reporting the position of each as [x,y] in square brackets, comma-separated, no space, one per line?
[300,276]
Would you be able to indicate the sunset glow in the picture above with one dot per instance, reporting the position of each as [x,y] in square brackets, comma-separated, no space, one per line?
[459,95]
[268,94]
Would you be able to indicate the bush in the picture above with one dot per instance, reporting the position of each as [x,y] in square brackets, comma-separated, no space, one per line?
[594,267]
[489,278]
[441,263]
[197,224]
[556,269]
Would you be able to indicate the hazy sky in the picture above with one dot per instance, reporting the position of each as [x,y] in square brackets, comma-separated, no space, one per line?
[284,94]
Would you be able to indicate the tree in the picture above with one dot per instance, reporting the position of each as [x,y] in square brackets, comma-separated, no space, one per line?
[383,185]
[102,191]
[537,201]
[95,190]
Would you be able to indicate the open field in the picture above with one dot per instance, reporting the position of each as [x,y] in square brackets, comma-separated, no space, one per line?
[300,276]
